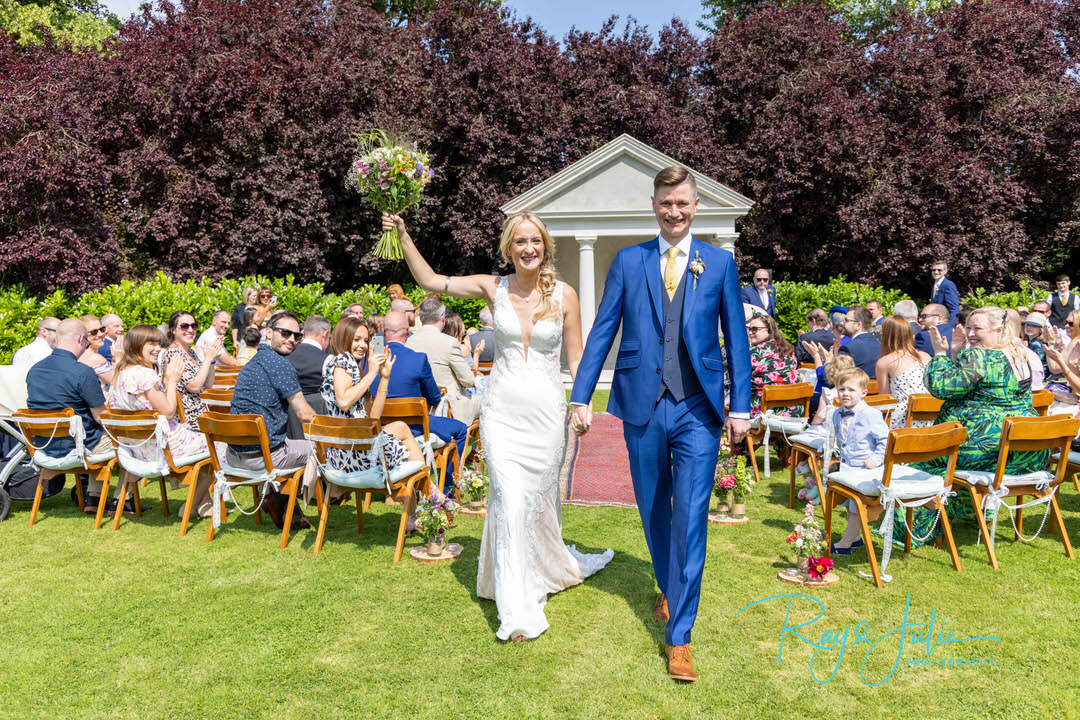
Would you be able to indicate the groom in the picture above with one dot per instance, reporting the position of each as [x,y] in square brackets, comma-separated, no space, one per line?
[668,390]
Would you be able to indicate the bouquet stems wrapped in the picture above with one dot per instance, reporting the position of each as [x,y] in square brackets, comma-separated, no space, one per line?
[392,177]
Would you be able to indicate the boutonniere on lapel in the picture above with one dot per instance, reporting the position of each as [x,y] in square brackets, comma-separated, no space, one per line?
[697,266]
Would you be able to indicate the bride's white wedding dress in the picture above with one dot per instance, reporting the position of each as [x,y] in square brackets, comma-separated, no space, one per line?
[523,428]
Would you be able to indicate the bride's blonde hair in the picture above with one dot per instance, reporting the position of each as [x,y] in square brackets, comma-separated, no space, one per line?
[547,281]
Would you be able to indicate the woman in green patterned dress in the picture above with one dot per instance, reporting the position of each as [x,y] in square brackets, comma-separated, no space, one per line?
[987,383]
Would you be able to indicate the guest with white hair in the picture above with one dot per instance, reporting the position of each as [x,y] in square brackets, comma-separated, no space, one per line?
[41,346]
[114,331]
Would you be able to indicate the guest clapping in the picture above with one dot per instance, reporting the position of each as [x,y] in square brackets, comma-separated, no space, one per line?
[196,375]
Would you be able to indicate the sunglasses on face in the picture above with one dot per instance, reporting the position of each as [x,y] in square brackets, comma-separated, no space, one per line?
[287,334]
[928,315]
[188,326]
[95,331]
[756,328]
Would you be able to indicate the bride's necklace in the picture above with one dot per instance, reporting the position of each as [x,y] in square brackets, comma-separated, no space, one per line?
[527,298]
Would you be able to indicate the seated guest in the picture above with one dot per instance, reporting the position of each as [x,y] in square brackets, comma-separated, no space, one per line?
[356,310]
[837,319]
[374,322]
[181,335]
[219,328]
[42,345]
[933,315]
[817,331]
[486,335]
[761,294]
[412,378]
[455,328]
[444,356]
[987,383]
[1037,334]
[395,292]
[908,310]
[900,368]
[308,359]
[864,347]
[1061,356]
[878,314]
[772,362]
[264,308]
[404,305]
[268,386]
[347,378]
[250,343]
[91,357]
[1016,329]
[247,300]
[60,381]
[114,329]
[959,334]
[136,386]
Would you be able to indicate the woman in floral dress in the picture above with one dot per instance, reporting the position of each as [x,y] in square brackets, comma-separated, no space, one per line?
[181,337]
[987,383]
[772,362]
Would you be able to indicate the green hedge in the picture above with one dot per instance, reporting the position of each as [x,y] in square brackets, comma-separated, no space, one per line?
[153,301]
[795,299]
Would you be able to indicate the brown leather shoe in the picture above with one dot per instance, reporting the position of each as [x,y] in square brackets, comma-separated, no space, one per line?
[660,612]
[678,663]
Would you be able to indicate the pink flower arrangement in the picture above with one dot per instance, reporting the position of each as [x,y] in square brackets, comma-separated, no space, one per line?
[819,567]
[727,482]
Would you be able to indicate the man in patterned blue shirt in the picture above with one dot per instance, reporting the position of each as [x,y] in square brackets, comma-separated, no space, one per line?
[267,385]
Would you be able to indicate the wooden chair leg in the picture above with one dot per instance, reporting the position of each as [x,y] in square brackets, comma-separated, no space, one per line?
[865,527]
[826,506]
[293,483]
[405,507]
[1019,518]
[324,512]
[791,490]
[946,528]
[193,480]
[1076,481]
[909,516]
[367,502]
[164,497]
[255,499]
[104,475]
[753,457]
[360,506]
[1059,522]
[125,480]
[815,471]
[984,529]
[79,493]
[37,497]
[136,499]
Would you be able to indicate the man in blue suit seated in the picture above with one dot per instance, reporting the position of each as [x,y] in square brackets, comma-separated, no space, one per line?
[412,378]
[933,315]
[864,347]
[817,324]
[761,293]
[944,292]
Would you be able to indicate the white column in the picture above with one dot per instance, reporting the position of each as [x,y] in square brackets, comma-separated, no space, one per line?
[586,282]
[722,241]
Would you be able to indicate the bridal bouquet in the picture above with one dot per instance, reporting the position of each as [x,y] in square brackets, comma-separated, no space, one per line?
[392,177]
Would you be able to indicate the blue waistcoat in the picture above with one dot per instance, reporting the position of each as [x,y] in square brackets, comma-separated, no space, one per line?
[678,376]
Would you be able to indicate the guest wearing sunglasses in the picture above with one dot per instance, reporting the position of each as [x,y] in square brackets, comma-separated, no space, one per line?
[772,361]
[265,306]
[90,357]
[181,337]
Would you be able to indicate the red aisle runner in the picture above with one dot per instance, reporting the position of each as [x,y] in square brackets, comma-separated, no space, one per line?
[599,469]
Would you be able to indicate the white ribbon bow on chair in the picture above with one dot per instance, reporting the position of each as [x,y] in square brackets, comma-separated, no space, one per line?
[223,491]
[889,502]
[994,500]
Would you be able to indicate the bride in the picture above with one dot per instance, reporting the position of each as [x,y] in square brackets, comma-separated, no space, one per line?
[522,423]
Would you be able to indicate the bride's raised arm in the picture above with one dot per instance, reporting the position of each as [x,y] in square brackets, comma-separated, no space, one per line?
[462,286]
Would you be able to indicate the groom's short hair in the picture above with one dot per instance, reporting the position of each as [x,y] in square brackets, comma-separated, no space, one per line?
[672,176]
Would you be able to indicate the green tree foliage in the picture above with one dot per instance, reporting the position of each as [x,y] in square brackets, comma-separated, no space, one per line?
[83,23]
[866,18]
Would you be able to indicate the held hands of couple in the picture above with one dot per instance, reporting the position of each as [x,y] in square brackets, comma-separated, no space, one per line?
[581,419]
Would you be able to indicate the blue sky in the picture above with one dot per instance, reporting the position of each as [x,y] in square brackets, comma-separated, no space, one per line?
[558,16]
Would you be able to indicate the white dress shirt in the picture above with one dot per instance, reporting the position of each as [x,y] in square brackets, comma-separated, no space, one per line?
[209,335]
[32,354]
[1074,305]
[682,258]
[764,295]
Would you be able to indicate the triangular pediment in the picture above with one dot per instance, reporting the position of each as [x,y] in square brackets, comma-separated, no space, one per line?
[617,178]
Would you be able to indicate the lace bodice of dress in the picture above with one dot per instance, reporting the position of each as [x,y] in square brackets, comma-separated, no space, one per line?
[545,343]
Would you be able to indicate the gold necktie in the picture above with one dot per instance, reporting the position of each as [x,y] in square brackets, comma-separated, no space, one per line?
[671,279]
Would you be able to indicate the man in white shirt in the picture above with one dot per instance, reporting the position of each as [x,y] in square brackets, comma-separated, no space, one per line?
[41,346]
[761,293]
[218,328]
[1061,303]
[113,326]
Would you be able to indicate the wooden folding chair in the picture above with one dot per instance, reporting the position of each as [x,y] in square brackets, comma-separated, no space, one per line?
[872,387]
[359,434]
[812,454]
[219,399]
[989,490]
[472,435]
[134,428]
[899,484]
[482,368]
[922,407]
[413,411]
[225,382]
[778,396]
[1041,400]
[248,430]
[807,366]
[52,425]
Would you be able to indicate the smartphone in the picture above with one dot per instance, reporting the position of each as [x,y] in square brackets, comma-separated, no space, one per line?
[273,299]
[378,345]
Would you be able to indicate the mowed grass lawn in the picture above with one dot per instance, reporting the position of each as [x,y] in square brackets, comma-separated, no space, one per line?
[143,624]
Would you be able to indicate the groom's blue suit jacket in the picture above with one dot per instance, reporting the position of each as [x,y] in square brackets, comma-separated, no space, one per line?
[632,298]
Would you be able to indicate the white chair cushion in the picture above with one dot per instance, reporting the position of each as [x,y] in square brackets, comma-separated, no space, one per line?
[436,442]
[101,456]
[71,461]
[371,478]
[981,477]
[811,440]
[787,426]
[158,467]
[253,474]
[906,482]
[406,469]
[1074,457]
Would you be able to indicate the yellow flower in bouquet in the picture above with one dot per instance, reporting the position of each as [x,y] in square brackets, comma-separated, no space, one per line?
[392,177]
